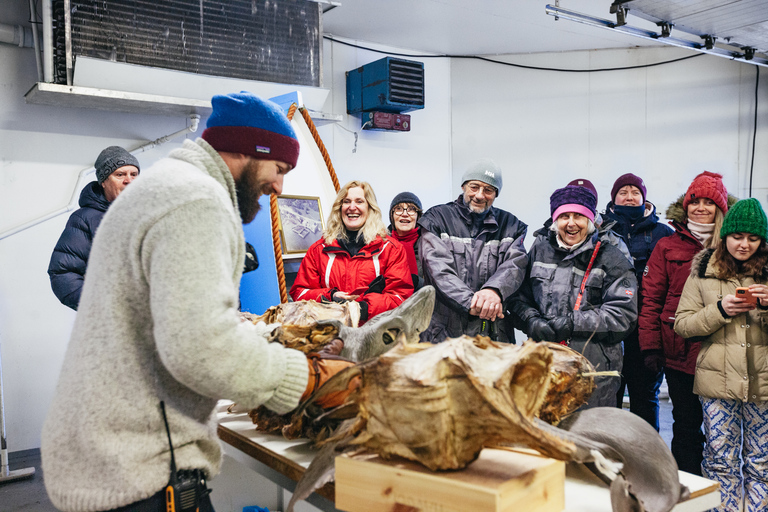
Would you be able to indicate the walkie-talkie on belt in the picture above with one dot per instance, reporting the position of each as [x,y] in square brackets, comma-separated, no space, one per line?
[186,488]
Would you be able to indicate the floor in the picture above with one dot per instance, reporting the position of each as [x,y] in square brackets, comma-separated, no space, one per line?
[29,495]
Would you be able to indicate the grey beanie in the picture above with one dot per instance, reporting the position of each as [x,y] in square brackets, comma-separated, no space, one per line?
[112,159]
[486,171]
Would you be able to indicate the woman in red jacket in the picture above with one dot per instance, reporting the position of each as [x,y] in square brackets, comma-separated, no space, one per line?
[355,259]
[697,217]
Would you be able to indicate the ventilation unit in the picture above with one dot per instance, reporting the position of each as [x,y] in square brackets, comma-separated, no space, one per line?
[271,40]
[386,85]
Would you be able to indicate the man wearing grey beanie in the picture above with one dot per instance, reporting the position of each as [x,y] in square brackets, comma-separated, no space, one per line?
[115,168]
[473,254]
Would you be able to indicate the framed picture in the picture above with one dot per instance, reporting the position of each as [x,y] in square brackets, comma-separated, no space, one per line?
[301,222]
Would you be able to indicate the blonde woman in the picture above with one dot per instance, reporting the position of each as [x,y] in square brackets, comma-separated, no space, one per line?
[355,259]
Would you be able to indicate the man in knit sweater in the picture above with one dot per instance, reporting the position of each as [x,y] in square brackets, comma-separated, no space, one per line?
[158,320]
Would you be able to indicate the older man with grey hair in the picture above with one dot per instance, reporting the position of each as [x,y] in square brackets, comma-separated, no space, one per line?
[473,254]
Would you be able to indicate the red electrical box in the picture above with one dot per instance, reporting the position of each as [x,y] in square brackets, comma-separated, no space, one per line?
[387,121]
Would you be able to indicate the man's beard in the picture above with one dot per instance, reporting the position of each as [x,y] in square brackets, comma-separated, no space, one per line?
[248,189]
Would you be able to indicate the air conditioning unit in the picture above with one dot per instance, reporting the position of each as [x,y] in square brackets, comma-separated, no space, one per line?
[267,41]
[386,85]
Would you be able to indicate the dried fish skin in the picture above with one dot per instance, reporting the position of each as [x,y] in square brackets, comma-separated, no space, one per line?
[440,404]
[304,324]
[571,383]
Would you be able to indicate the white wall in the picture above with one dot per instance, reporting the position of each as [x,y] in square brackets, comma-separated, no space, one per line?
[665,123]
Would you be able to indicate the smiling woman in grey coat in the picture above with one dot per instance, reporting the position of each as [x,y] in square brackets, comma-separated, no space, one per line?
[579,291]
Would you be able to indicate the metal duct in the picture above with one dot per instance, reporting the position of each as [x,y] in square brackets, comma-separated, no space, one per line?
[267,40]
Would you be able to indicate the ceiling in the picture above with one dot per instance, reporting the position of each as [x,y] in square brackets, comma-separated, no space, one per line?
[489,27]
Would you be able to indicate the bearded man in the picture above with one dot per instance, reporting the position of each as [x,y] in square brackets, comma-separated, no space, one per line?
[158,321]
[473,254]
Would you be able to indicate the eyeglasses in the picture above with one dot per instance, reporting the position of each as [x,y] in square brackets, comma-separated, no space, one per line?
[474,187]
[405,209]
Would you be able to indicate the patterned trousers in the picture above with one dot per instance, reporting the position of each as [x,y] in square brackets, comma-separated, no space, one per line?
[737,434]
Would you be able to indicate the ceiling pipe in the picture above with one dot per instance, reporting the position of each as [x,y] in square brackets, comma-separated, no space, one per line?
[747,57]
[36,37]
[84,177]
[16,35]
[47,41]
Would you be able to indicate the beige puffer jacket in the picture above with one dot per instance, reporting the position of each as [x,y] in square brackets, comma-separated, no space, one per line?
[733,361]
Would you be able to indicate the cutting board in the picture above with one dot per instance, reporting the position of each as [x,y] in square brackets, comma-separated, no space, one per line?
[499,480]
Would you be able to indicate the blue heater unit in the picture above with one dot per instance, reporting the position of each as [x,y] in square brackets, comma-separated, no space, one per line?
[387,85]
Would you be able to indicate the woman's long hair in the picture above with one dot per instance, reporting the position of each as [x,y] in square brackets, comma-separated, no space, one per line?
[373,226]
[728,267]
[714,241]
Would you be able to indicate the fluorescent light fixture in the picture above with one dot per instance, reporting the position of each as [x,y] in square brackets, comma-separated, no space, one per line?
[746,55]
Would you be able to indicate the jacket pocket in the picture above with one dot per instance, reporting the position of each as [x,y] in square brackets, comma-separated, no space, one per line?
[674,345]
[593,292]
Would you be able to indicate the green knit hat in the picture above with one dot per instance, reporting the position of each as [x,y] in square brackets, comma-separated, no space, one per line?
[746,216]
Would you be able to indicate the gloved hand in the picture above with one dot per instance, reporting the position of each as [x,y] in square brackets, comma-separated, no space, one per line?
[562,327]
[320,370]
[538,329]
[654,360]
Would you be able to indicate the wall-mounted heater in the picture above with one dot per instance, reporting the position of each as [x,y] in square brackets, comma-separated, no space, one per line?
[274,41]
[382,90]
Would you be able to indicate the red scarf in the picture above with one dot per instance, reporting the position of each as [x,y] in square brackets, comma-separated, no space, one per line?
[408,240]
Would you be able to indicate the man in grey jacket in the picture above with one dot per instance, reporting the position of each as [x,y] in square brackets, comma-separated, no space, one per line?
[473,254]
[158,320]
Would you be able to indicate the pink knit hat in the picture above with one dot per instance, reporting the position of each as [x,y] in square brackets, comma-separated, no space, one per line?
[709,185]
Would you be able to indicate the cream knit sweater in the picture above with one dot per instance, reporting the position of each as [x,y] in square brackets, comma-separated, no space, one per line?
[158,320]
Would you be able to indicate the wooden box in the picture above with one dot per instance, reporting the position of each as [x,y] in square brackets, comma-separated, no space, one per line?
[498,481]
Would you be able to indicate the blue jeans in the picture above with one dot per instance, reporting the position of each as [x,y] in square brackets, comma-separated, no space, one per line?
[736,452]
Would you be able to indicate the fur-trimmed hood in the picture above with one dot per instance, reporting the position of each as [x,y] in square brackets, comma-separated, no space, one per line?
[677,213]
[700,266]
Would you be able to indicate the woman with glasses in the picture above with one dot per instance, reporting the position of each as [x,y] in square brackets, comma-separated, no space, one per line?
[356,260]
[404,211]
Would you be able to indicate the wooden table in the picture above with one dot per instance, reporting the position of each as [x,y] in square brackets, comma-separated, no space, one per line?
[283,462]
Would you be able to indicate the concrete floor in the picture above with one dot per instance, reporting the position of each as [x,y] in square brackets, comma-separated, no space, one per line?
[29,495]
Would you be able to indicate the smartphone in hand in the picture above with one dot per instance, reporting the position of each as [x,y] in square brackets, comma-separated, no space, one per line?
[744,293]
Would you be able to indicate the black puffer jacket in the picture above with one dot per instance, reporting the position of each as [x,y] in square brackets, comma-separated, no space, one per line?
[70,256]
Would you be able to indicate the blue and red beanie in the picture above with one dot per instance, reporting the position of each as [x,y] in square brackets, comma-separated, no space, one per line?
[244,123]
[575,199]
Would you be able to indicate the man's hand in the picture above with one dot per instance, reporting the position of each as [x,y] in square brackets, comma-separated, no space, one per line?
[653,360]
[486,304]
[538,329]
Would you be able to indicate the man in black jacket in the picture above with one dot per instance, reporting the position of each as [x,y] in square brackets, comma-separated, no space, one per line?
[115,169]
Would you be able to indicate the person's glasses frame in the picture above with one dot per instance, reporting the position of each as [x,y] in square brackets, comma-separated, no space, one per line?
[405,209]
[487,191]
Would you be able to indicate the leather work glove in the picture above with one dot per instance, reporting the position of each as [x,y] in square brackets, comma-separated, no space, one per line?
[323,367]
[538,329]
[654,360]
[562,327]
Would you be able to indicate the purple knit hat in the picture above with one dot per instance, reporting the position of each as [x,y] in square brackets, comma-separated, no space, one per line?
[244,123]
[627,179]
[573,199]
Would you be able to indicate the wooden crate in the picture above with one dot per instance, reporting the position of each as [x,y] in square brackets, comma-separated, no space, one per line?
[498,481]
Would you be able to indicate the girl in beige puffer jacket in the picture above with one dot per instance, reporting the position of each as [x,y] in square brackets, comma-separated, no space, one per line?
[732,366]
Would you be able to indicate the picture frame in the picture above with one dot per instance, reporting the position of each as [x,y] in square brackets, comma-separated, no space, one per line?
[301,222]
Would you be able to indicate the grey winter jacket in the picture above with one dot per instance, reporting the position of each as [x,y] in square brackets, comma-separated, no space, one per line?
[608,308]
[458,265]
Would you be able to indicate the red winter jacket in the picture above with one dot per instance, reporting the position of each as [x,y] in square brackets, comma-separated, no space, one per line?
[328,268]
[664,277]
